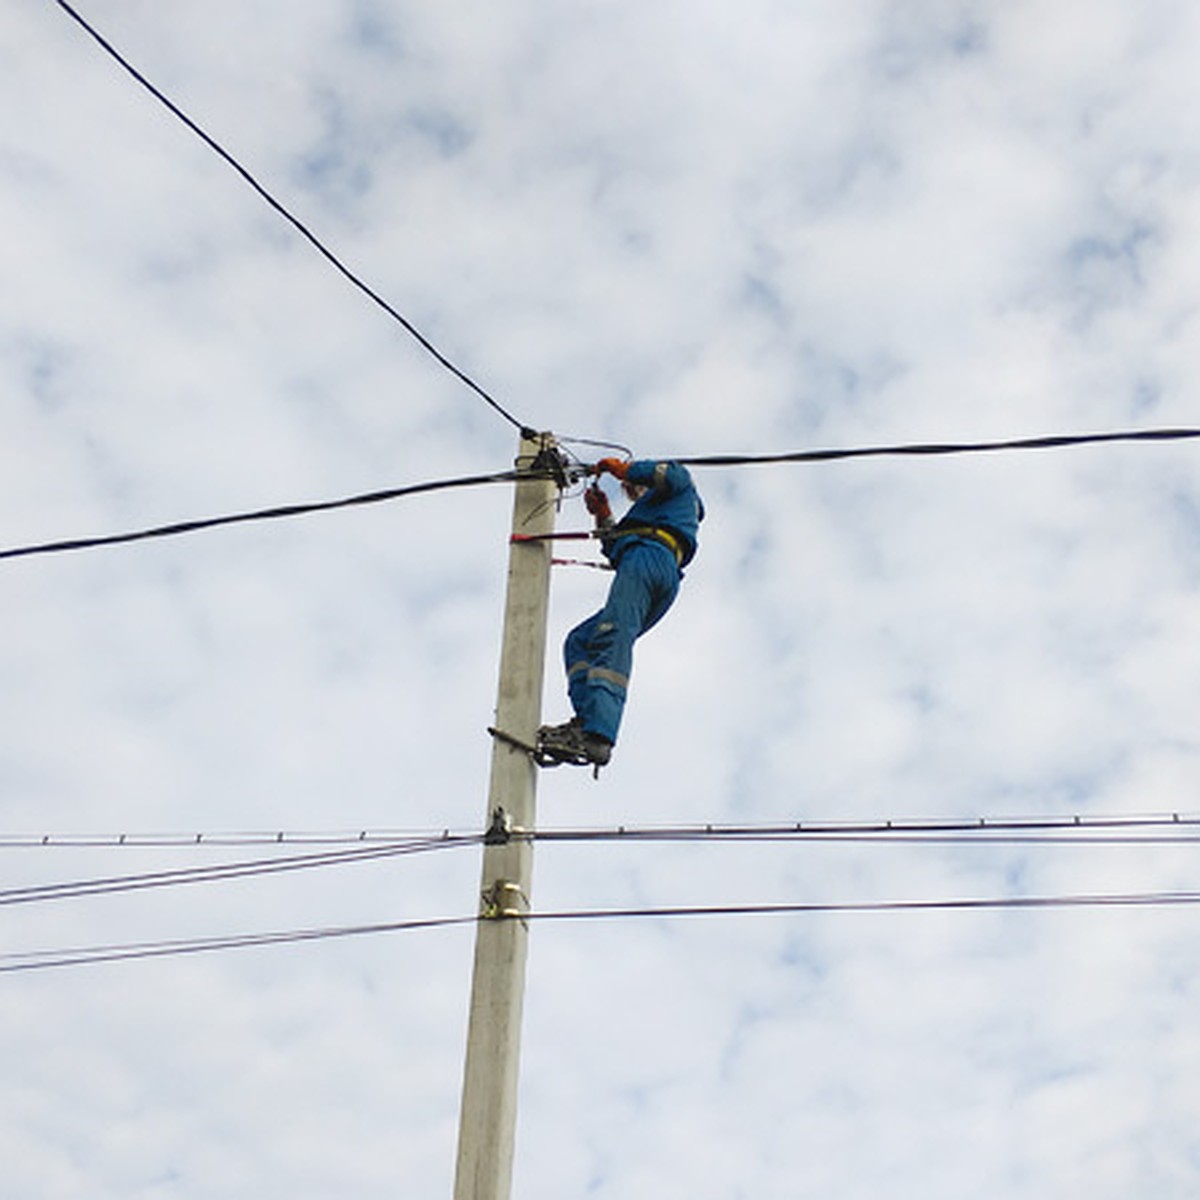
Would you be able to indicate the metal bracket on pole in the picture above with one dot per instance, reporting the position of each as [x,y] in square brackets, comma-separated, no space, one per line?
[551,461]
[504,900]
[499,832]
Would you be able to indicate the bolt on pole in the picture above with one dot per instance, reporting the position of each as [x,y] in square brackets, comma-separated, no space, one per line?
[487,1125]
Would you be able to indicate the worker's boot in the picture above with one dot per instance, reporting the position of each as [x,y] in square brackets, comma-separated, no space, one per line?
[562,744]
[568,743]
[597,749]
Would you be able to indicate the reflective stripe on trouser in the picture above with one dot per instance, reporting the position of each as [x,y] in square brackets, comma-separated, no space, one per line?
[599,651]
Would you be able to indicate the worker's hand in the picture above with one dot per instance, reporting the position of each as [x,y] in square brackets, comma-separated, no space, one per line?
[597,504]
[614,466]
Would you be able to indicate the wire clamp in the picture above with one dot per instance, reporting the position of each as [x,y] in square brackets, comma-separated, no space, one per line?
[552,462]
[503,901]
[499,832]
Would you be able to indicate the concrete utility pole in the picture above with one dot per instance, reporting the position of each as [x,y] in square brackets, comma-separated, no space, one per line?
[487,1125]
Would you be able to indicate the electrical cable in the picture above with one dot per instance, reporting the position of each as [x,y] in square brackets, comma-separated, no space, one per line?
[277,512]
[712,460]
[219,872]
[1053,442]
[625,451]
[204,840]
[33,960]
[1076,830]
[293,220]
[707,460]
[1117,827]
[963,904]
[715,460]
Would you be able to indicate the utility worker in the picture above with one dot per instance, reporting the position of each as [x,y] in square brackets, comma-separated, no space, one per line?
[648,549]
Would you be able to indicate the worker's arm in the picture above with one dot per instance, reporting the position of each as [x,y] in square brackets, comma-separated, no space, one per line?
[664,478]
[598,506]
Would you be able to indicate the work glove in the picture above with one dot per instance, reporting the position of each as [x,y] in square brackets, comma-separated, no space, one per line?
[597,504]
[614,466]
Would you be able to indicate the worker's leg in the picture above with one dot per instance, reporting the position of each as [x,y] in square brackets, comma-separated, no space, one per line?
[576,660]
[600,651]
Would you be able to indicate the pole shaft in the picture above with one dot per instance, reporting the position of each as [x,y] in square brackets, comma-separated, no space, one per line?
[487,1125]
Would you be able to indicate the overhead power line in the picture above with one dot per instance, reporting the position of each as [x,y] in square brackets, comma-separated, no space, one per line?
[929,449]
[36,960]
[1077,830]
[278,512]
[300,227]
[39,960]
[219,872]
[713,460]
[1114,826]
[963,904]
[204,840]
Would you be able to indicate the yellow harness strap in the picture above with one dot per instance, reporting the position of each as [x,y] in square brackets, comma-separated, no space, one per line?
[669,540]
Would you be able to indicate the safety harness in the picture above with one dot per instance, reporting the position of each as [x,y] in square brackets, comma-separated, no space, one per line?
[672,542]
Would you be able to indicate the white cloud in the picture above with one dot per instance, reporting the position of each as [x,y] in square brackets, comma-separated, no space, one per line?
[689,231]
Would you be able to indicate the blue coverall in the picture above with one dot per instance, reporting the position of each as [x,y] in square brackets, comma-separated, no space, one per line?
[649,548]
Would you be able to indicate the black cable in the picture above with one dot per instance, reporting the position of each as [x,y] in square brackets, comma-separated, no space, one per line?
[1053,442]
[262,514]
[293,220]
[711,460]
[715,460]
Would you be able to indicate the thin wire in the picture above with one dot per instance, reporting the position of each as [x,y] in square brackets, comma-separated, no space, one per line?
[275,513]
[34,960]
[1054,442]
[220,872]
[1094,900]
[292,220]
[1113,830]
[625,451]
[1069,827]
[202,840]
[37,960]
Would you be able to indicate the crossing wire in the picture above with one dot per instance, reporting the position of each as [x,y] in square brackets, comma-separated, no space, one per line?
[36,960]
[305,232]
[713,460]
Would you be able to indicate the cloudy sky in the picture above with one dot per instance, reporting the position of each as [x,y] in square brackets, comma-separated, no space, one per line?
[688,228]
